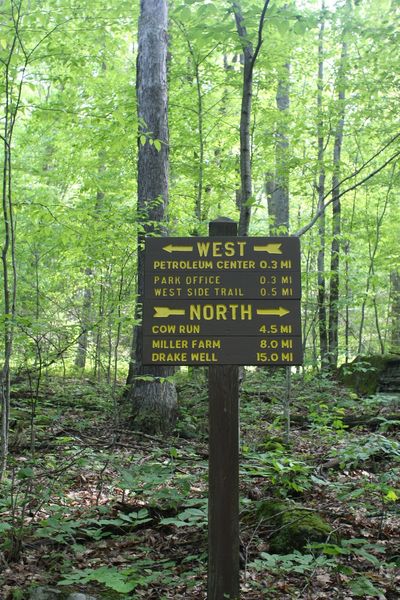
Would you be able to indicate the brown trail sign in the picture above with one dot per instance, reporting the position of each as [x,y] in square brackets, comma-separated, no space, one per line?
[222,301]
[217,287]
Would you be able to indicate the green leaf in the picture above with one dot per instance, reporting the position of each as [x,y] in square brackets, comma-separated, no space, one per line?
[299,27]
[362,586]
[392,496]
[25,473]
[157,145]
[175,522]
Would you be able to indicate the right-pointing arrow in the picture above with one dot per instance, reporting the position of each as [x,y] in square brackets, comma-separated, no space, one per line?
[163,312]
[277,312]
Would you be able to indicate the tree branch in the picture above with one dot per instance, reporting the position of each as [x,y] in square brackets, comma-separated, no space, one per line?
[260,30]
[321,211]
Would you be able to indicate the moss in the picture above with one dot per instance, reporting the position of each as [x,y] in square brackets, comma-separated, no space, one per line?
[364,373]
[298,528]
[267,509]
[293,526]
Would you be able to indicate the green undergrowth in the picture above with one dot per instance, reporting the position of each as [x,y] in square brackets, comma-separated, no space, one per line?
[98,508]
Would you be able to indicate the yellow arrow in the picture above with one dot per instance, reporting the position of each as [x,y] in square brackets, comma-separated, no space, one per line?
[280,312]
[164,312]
[171,248]
[270,248]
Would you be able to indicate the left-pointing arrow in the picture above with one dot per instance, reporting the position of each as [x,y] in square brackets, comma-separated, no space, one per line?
[164,312]
[171,248]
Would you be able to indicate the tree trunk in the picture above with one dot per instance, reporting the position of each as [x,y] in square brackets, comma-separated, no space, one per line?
[322,322]
[278,207]
[336,219]
[153,398]
[12,99]
[81,353]
[250,57]
[395,312]
[372,248]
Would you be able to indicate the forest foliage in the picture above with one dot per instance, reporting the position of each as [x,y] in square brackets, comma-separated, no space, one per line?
[322,162]
[69,121]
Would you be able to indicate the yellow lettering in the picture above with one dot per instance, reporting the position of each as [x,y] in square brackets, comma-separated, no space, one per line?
[203,248]
[287,343]
[198,292]
[189,328]
[220,312]
[195,312]
[286,329]
[208,312]
[203,357]
[246,313]
[286,264]
[217,248]
[174,357]
[171,344]
[163,329]
[235,264]
[287,292]
[242,246]
[170,292]
[229,249]
[207,343]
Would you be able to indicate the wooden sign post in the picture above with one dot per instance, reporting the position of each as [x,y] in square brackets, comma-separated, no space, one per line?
[222,301]
[223,468]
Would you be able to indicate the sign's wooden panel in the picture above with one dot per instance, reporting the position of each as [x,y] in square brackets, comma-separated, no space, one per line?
[214,317]
[223,285]
[238,292]
[173,255]
[235,350]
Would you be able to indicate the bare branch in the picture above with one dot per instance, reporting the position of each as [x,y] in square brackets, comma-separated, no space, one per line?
[321,211]
[260,30]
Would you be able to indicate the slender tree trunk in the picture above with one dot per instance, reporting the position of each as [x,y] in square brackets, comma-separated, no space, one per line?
[154,401]
[395,312]
[199,154]
[250,57]
[245,115]
[9,267]
[372,248]
[83,340]
[322,322]
[278,207]
[336,218]
[99,331]
[199,197]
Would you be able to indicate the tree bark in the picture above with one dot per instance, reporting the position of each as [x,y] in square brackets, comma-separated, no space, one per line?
[372,248]
[250,56]
[12,100]
[153,398]
[336,218]
[322,322]
[81,353]
[395,312]
[278,206]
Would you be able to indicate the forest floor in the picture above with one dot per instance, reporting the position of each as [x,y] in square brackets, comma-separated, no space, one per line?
[92,506]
